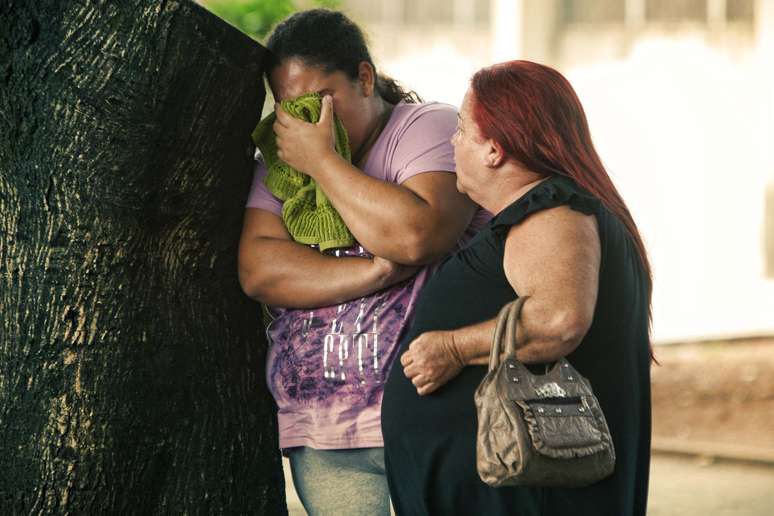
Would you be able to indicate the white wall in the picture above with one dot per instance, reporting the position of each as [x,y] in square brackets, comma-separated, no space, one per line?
[681,128]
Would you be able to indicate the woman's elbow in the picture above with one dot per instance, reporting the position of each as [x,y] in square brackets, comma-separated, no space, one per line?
[568,328]
[419,248]
[252,284]
[417,256]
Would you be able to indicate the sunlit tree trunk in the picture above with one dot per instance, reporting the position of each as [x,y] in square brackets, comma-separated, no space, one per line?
[131,365]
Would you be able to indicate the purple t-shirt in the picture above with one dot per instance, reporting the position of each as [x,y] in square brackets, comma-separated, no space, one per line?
[326,366]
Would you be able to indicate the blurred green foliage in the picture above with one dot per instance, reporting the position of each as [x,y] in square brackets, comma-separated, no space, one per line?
[257,17]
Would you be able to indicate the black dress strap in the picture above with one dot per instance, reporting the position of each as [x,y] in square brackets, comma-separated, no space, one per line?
[554,191]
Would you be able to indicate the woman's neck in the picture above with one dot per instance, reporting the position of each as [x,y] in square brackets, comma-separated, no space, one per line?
[511,187]
[381,116]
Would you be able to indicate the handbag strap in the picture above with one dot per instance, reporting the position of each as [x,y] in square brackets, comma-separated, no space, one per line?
[507,321]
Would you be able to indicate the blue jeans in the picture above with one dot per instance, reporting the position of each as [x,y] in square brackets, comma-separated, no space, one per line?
[341,482]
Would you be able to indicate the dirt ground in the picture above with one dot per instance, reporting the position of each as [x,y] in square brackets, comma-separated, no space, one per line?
[680,487]
[720,392]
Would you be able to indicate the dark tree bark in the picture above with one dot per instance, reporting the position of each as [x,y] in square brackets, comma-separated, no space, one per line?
[131,364]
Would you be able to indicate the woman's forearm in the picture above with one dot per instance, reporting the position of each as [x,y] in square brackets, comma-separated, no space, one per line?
[474,342]
[540,337]
[390,220]
[284,273]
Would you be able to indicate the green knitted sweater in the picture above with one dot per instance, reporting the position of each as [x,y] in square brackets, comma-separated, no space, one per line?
[306,211]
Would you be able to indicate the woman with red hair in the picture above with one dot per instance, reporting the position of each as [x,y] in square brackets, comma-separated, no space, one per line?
[561,237]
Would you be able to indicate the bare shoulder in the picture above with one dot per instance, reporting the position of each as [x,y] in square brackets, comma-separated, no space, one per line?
[552,247]
[556,224]
[561,218]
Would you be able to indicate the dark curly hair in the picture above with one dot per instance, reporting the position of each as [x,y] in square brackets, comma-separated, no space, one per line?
[331,41]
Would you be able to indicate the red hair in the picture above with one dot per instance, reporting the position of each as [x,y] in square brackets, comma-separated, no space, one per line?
[532,111]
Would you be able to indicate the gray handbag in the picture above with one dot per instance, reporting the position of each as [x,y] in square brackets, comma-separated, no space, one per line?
[538,430]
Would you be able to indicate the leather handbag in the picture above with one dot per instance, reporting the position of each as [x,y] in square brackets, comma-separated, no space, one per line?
[538,430]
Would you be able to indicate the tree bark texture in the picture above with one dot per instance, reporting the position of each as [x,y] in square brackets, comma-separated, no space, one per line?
[131,364]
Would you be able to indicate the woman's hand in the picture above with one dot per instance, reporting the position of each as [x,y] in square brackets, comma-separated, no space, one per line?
[389,273]
[303,145]
[432,360]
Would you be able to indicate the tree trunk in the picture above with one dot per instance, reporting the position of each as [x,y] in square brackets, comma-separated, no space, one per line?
[131,364]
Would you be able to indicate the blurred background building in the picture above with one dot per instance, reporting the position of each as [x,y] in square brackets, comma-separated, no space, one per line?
[680,99]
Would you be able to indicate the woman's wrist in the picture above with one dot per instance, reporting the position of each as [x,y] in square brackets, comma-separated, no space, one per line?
[455,349]
[326,161]
[387,273]
[473,343]
[379,273]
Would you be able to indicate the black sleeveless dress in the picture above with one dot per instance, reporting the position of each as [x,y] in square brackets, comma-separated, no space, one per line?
[430,441]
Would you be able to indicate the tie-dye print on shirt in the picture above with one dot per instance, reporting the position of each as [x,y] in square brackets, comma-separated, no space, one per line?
[326,366]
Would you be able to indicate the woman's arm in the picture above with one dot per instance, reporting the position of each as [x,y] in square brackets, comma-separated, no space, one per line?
[553,257]
[415,223]
[277,271]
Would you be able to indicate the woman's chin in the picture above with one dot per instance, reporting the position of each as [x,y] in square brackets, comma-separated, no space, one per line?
[460,186]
